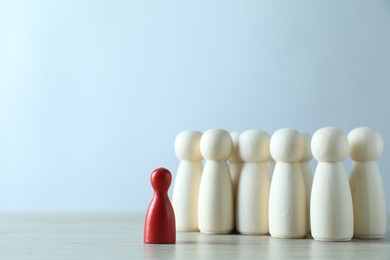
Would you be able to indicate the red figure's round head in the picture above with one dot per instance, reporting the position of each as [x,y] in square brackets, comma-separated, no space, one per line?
[161,180]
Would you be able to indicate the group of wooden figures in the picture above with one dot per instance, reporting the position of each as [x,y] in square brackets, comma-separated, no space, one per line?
[257,184]
[238,187]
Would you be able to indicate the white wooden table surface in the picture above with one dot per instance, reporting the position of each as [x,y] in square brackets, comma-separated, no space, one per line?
[120,236]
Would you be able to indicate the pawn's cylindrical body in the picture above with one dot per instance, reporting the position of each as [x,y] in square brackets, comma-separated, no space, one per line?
[252,199]
[331,212]
[215,206]
[186,194]
[287,202]
[369,205]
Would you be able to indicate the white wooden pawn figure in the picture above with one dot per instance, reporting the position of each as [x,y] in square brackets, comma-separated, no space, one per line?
[189,173]
[307,174]
[368,197]
[287,199]
[331,212]
[254,184]
[215,207]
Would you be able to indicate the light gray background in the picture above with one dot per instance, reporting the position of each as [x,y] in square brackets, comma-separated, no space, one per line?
[92,93]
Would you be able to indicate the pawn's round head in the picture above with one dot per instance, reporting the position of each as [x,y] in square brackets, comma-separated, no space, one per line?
[161,179]
[287,145]
[235,157]
[187,145]
[216,144]
[365,144]
[329,144]
[307,155]
[253,146]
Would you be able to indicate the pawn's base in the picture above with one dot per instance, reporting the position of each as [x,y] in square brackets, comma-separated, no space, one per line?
[288,236]
[327,239]
[216,232]
[159,242]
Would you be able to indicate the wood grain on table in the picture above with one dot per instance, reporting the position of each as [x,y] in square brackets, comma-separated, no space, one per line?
[120,236]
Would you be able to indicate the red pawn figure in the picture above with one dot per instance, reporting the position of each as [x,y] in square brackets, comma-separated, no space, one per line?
[160,227]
